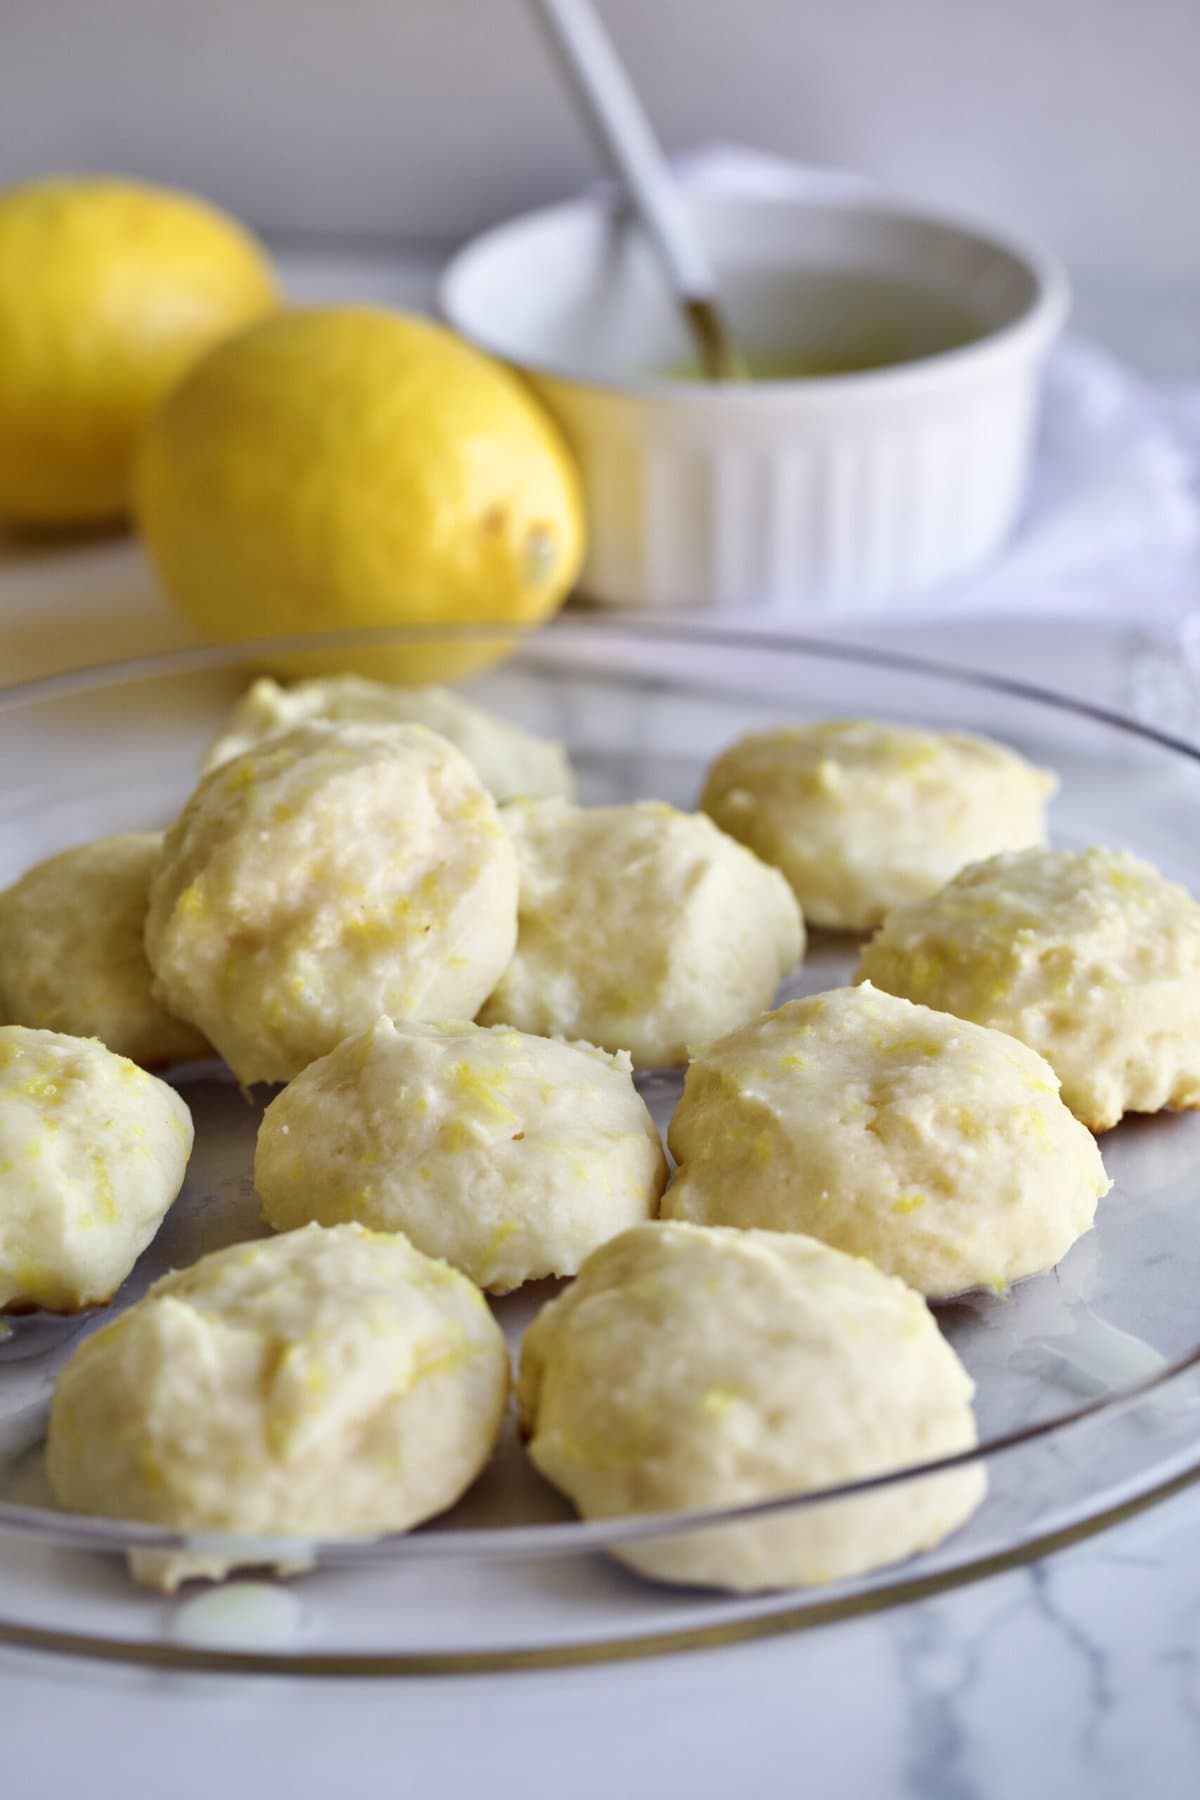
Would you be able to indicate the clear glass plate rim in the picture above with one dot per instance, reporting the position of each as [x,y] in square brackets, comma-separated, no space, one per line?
[571,1536]
[200,657]
[794,1615]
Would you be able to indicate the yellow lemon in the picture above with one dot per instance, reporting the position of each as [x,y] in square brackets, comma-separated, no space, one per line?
[342,468]
[108,290]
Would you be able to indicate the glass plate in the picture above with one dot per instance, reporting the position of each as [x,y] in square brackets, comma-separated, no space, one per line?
[1088,1378]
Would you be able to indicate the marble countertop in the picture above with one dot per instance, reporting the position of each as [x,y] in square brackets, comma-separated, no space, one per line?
[1076,1675]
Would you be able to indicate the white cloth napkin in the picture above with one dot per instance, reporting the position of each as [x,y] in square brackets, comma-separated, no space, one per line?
[1112,519]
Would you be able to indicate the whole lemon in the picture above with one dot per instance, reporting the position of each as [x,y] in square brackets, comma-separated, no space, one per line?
[348,467]
[108,290]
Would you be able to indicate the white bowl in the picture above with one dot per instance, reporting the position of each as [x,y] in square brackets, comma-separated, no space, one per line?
[824,492]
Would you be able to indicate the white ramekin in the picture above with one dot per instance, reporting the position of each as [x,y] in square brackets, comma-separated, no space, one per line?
[826,493]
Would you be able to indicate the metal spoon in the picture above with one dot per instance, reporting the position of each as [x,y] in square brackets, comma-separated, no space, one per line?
[611,105]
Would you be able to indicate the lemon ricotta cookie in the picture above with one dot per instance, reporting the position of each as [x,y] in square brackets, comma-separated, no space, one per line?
[72,957]
[92,1153]
[1092,957]
[324,1384]
[862,816]
[330,875]
[510,762]
[510,1156]
[938,1149]
[641,929]
[690,1367]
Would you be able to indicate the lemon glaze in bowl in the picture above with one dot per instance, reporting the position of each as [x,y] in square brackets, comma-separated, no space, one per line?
[904,467]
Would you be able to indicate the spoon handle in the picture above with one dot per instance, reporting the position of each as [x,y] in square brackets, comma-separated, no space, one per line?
[608,99]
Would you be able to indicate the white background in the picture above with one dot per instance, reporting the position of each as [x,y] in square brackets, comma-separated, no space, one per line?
[1075,119]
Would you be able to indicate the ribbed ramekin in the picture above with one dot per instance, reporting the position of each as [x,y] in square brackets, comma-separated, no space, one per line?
[827,493]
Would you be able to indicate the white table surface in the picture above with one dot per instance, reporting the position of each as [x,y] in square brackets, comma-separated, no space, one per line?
[1077,1675]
